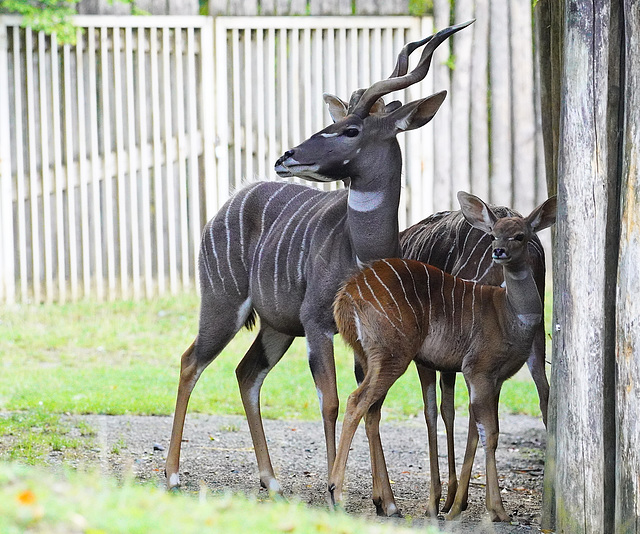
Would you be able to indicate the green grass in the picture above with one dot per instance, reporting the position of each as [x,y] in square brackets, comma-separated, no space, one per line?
[37,501]
[124,358]
[30,435]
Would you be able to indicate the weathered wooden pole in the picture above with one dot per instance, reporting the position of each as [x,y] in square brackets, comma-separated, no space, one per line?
[591,474]
[628,304]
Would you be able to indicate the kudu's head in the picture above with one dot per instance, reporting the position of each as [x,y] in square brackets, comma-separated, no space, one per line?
[362,140]
[510,235]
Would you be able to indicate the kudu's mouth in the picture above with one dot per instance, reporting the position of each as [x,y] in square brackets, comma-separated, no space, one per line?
[286,166]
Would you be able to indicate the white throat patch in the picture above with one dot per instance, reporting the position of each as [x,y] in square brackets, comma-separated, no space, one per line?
[365,201]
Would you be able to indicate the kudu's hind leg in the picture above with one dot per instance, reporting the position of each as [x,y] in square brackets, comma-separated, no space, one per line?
[212,338]
[262,356]
[428,385]
[536,364]
[382,494]
[448,411]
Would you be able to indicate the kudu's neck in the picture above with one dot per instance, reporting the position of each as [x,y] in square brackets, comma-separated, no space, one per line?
[372,212]
[522,292]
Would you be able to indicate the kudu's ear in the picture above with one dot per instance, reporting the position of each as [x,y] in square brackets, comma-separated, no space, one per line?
[337,108]
[378,107]
[415,114]
[544,215]
[476,212]
[392,106]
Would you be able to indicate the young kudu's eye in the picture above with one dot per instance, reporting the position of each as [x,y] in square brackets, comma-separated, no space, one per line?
[519,237]
[351,132]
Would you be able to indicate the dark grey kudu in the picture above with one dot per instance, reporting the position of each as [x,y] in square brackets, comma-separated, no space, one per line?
[280,251]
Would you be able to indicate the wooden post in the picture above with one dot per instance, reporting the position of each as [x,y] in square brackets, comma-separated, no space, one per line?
[627,494]
[582,85]
[549,27]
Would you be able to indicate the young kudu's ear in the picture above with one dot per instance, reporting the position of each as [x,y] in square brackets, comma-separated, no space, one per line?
[544,215]
[415,114]
[337,108]
[476,212]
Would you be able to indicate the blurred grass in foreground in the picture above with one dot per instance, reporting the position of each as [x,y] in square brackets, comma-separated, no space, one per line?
[34,500]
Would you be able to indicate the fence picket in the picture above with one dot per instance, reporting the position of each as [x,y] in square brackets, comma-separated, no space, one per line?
[83,167]
[21,194]
[479,157]
[6,204]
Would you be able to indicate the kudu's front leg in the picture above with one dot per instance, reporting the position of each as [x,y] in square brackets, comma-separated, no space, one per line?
[462,491]
[265,352]
[323,370]
[537,368]
[428,384]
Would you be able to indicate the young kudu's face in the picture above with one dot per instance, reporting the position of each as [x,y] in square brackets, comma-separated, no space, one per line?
[509,240]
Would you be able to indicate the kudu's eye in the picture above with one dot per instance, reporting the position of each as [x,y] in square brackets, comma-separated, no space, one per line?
[493,238]
[351,132]
[519,237]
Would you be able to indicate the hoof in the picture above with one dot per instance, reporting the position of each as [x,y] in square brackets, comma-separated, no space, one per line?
[332,489]
[499,517]
[432,513]
[173,483]
[272,486]
[381,512]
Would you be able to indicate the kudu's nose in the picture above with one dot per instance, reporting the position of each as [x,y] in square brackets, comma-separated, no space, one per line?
[499,254]
[285,156]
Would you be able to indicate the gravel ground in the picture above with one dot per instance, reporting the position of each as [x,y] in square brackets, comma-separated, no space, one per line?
[217,452]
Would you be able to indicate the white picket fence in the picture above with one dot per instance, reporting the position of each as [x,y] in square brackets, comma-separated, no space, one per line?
[115,152]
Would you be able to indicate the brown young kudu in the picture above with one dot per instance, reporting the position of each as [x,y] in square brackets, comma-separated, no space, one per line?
[280,251]
[397,311]
[447,241]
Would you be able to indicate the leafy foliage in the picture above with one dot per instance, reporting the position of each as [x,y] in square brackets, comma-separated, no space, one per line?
[419,8]
[50,16]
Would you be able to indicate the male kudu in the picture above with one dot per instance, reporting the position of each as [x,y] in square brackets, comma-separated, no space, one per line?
[397,311]
[281,250]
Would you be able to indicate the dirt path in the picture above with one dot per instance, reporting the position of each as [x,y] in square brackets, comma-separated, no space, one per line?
[218,452]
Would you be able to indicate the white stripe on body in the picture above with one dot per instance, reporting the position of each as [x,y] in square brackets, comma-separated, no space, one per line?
[241,223]
[426,270]
[291,238]
[380,313]
[393,298]
[258,250]
[320,215]
[226,225]
[276,265]
[415,315]
[415,289]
